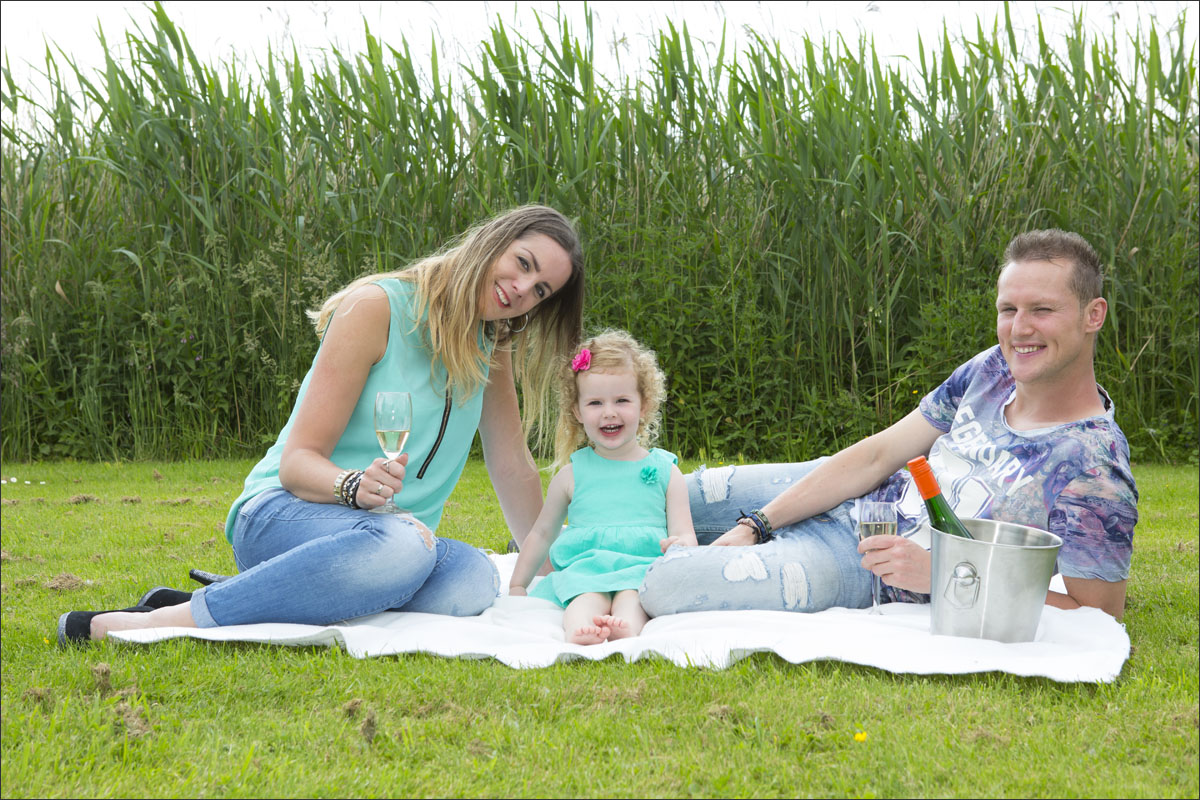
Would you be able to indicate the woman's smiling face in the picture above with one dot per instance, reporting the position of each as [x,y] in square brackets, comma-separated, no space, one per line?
[530,270]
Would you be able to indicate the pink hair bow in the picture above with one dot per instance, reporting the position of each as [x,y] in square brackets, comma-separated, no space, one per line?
[581,361]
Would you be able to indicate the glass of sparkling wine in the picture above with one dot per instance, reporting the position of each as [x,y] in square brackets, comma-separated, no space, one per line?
[393,421]
[875,519]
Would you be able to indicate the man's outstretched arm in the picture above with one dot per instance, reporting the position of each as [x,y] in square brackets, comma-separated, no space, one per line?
[850,473]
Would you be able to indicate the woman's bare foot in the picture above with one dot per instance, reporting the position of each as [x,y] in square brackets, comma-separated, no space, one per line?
[589,634]
[179,616]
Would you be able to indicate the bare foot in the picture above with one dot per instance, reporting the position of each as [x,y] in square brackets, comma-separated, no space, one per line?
[616,623]
[116,621]
[179,616]
[621,629]
[589,634]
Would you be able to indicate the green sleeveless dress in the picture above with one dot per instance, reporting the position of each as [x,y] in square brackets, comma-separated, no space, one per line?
[615,523]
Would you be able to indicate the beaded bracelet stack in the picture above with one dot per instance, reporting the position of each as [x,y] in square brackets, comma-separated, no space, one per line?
[338,482]
[345,487]
[757,521]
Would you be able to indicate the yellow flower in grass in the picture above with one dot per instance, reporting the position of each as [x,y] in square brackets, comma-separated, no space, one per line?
[860,736]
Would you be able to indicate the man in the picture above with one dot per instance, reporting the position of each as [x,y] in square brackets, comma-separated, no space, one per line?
[1020,433]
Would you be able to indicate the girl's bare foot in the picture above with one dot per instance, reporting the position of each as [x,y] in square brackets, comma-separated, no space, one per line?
[627,608]
[589,634]
[617,624]
[621,629]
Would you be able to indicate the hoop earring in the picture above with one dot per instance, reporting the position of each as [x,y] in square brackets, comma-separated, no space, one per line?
[525,325]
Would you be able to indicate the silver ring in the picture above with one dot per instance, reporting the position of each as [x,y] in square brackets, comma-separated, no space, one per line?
[379,491]
[385,467]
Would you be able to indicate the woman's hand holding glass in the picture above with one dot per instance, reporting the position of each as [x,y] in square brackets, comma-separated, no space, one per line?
[393,421]
[381,481]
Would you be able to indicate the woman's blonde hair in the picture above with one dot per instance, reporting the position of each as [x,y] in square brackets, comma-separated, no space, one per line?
[449,285]
[611,351]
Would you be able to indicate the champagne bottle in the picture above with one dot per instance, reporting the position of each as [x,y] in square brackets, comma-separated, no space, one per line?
[941,515]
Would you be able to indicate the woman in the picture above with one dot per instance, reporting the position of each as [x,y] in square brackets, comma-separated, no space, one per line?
[445,330]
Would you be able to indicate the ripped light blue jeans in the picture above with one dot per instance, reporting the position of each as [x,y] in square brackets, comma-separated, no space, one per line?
[318,563]
[811,565]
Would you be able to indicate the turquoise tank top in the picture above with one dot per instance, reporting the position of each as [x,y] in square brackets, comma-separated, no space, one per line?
[442,429]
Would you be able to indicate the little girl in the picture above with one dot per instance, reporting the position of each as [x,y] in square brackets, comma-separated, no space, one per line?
[625,504]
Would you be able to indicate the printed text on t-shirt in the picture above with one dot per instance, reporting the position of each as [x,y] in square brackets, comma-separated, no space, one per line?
[968,438]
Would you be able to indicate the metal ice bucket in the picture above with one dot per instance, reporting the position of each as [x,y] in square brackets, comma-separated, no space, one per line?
[993,586]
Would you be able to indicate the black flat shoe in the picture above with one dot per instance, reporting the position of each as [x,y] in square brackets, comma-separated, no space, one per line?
[163,596]
[75,627]
[207,578]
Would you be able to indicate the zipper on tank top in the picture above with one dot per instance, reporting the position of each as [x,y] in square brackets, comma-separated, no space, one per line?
[438,441]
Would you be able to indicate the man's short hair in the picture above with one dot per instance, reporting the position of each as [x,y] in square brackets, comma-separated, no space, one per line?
[1087,277]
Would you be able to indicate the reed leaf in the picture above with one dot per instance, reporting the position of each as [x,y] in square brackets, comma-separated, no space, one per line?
[807,234]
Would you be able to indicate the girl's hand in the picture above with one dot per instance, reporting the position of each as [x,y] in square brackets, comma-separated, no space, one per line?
[674,540]
[517,591]
[737,536]
[381,480]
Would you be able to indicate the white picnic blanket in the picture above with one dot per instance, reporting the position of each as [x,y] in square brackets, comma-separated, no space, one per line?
[1082,645]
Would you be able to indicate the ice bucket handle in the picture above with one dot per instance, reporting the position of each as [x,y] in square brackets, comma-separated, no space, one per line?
[962,587]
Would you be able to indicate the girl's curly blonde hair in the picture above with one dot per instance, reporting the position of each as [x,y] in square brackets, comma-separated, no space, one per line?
[611,351]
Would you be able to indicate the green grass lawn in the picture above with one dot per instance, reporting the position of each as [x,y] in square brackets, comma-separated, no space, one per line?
[188,718]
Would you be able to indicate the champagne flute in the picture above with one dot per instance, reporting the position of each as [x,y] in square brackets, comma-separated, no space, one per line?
[875,519]
[393,421]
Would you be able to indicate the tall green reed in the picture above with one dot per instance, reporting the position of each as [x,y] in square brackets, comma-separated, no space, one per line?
[809,237]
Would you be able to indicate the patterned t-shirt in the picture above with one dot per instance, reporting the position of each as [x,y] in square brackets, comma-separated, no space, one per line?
[1073,480]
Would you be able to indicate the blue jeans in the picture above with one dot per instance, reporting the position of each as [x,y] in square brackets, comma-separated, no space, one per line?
[812,565]
[318,563]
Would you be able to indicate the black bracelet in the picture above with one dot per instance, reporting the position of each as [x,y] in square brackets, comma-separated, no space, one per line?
[754,525]
[769,531]
[358,479]
[757,521]
[350,489]
[342,487]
